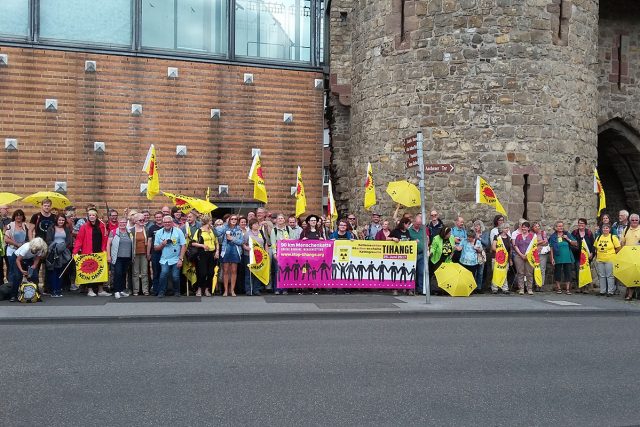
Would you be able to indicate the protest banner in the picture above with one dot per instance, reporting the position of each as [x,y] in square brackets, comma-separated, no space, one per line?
[91,268]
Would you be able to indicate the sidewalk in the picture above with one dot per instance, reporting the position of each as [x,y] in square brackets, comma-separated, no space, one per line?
[83,308]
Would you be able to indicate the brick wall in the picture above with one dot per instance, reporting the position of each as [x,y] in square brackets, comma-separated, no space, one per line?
[58,146]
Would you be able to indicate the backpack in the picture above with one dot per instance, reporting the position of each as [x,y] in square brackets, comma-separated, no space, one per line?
[28,292]
[192,253]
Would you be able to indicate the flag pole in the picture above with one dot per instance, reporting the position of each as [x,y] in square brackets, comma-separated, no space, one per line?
[426,287]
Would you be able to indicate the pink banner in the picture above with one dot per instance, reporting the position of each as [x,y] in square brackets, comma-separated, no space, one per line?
[346,264]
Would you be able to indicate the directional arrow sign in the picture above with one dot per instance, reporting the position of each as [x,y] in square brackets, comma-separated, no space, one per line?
[435,168]
[411,145]
[412,162]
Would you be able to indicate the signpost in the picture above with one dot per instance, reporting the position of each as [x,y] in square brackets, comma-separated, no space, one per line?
[437,167]
[426,288]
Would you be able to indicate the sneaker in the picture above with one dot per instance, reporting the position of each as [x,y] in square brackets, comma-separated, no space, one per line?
[198,293]
[521,292]
[146,294]
[412,293]
[91,293]
[285,292]
[124,294]
[161,295]
[207,293]
[74,287]
[395,293]
[104,294]
[530,292]
[117,295]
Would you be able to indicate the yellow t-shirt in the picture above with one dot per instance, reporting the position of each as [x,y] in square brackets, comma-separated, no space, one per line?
[209,239]
[631,237]
[606,247]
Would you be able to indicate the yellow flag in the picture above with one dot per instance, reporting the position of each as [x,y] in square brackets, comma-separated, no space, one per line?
[533,256]
[369,189]
[255,175]
[584,273]
[501,265]
[91,268]
[599,190]
[301,197]
[486,195]
[332,212]
[189,271]
[151,169]
[259,262]
[207,194]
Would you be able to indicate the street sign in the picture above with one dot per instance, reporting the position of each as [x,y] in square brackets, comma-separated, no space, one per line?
[411,146]
[435,168]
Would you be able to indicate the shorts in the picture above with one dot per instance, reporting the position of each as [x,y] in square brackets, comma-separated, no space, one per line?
[562,270]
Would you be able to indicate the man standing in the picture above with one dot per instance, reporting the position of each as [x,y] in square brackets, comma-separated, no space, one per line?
[153,254]
[374,227]
[5,220]
[296,230]
[170,241]
[40,223]
[415,231]
[435,223]
[353,227]
[619,227]
[112,224]
[460,234]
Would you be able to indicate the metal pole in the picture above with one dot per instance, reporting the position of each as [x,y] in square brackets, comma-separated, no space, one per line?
[425,251]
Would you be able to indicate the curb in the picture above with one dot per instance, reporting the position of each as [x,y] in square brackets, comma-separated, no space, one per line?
[324,315]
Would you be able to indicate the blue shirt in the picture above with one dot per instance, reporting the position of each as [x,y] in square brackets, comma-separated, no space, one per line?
[171,252]
[460,233]
[469,256]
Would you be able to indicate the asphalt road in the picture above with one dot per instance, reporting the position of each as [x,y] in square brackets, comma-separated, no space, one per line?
[580,371]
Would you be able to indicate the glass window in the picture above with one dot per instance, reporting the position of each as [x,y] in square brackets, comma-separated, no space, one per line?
[193,25]
[90,21]
[14,18]
[277,30]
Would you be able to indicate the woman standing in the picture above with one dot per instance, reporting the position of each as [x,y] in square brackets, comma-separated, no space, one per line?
[442,247]
[543,251]
[206,240]
[484,236]
[561,256]
[60,242]
[582,233]
[524,270]
[470,248]
[15,236]
[504,235]
[384,232]
[120,251]
[251,283]
[313,231]
[606,246]
[230,254]
[604,219]
[92,238]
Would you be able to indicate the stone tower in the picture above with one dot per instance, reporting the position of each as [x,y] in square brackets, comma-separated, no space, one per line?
[505,89]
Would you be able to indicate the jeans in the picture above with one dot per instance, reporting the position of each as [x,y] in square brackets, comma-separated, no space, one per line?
[120,273]
[420,273]
[274,275]
[165,271]
[479,276]
[251,282]
[605,277]
[155,268]
[55,281]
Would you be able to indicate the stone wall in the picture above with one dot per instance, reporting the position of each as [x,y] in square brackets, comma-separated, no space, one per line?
[503,89]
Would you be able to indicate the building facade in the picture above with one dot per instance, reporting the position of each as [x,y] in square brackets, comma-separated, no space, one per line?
[86,87]
[532,95]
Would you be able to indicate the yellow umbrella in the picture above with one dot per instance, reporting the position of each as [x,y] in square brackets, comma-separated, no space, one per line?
[58,201]
[626,266]
[8,198]
[186,203]
[404,193]
[214,282]
[456,280]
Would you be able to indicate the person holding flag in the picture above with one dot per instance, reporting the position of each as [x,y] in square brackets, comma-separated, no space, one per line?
[254,235]
[524,270]
[332,211]
[301,198]
[369,189]
[151,169]
[533,258]
[257,177]
[501,247]
[92,239]
[585,239]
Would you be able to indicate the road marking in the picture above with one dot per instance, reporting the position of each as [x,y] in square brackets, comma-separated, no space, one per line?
[562,302]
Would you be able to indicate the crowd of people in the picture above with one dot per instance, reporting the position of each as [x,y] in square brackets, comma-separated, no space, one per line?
[150,253]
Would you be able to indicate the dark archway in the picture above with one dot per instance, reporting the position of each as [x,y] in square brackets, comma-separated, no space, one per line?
[619,166]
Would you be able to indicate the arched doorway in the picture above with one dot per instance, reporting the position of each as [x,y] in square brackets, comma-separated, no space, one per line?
[619,166]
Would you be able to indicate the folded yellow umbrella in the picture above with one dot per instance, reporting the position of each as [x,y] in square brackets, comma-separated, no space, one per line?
[8,198]
[58,201]
[404,193]
[456,280]
[626,266]
[186,203]
[214,281]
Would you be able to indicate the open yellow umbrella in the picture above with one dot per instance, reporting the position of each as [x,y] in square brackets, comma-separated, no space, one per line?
[58,201]
[404,193]
[626,266]
[186,203]
[8,198]
[456,280]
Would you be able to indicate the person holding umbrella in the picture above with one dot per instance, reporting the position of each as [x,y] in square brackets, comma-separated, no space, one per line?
[631,237]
